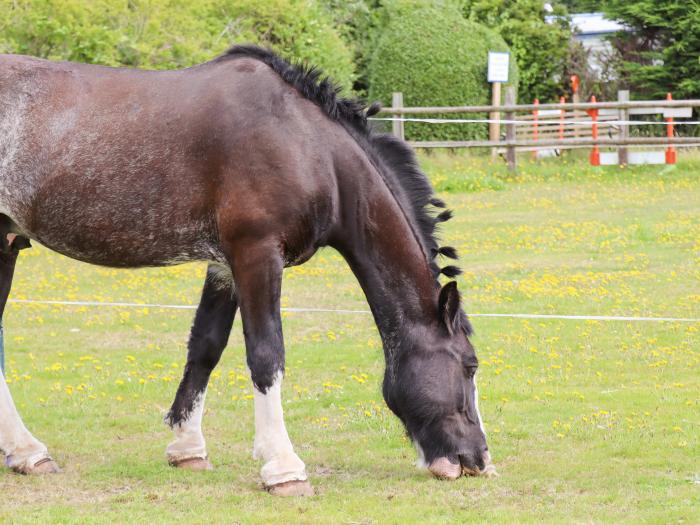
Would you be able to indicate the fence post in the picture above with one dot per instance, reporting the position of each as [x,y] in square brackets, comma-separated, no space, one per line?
[510,128]
[670,150]
[623,114]
[397,125]
[535,126]
[495,116]
[562,113]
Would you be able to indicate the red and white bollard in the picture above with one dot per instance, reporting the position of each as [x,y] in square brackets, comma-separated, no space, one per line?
[670,150]
[595,152]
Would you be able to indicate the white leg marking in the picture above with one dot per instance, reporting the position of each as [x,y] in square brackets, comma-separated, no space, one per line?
[489,470]
[22,450]
[272,443]
[476,406]
[189,440]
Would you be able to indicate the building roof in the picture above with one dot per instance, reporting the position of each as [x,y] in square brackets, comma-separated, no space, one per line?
[594,24]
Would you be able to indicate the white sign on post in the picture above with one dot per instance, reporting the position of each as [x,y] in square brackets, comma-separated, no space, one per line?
[498,66]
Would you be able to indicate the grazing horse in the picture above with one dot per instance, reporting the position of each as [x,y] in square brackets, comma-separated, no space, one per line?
[252,164]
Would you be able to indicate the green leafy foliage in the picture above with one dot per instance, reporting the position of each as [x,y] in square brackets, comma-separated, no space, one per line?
[359,23]
[166,34]
[582,6]
[540,48]
[435,58]
[661,53]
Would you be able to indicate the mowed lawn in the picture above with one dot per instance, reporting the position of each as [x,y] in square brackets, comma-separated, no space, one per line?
[588,422]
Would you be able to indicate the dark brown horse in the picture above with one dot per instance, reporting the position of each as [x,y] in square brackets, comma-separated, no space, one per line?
[252,164]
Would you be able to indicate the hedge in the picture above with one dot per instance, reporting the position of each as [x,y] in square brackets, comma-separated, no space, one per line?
[436,58]
[166,34]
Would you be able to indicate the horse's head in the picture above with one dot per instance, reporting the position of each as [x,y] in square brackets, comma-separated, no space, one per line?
[432,389]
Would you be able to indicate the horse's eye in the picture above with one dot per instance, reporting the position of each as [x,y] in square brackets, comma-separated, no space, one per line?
[471,371]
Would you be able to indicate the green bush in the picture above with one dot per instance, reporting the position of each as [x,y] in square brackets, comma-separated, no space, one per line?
[166,34]
[435,57]
[358,22]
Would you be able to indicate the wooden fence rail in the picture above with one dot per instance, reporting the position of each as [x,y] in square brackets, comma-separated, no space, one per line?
[556,126]
[642,104]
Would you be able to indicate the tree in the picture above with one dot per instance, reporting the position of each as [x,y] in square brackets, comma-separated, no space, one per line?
[540,48]
[661,52]
[583,6]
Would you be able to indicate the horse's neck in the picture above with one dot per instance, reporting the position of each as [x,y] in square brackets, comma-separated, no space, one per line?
[389,262]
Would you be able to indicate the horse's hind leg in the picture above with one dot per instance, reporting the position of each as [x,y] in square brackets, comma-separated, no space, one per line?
[23,452]
[208,338]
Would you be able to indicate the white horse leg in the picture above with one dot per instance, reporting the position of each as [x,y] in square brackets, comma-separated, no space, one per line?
[189,449]
[23,452]
[272,443]
[208,338]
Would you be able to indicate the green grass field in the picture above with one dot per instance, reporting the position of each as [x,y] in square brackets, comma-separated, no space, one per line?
[588,422]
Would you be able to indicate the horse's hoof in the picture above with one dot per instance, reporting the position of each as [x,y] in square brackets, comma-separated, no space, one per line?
[489,471]
[291,488]
[441,468]
[194,464]
[43,466]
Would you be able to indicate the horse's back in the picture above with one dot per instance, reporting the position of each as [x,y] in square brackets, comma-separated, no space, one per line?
[129,167]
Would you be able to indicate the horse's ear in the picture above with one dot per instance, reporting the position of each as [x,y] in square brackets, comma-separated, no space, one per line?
[448,306]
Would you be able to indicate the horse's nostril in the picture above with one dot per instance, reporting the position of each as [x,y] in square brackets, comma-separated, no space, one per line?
[471,463]
[469,468]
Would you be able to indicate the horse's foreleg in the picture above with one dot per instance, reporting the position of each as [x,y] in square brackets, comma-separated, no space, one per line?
[208,338]
[257,271]
[23,452]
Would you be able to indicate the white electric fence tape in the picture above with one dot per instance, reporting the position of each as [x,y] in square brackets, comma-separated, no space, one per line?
[545,121]
[343,311]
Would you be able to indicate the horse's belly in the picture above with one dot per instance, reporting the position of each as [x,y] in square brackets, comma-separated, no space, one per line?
[131,232]
[131,249]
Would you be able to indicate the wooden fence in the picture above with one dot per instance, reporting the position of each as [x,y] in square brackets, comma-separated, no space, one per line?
[555,126]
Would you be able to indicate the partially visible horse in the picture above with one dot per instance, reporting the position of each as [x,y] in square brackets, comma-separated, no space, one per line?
[252,164]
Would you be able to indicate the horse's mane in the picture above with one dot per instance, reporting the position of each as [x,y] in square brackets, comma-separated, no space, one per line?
[393,157]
